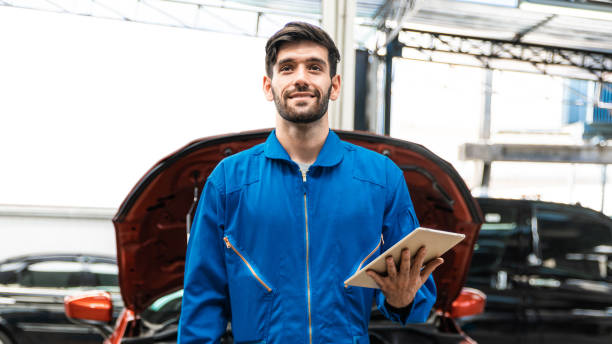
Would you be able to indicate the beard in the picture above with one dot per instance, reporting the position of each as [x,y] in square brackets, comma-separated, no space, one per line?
[302,114]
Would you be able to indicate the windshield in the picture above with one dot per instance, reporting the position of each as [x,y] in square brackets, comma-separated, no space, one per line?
[165,309]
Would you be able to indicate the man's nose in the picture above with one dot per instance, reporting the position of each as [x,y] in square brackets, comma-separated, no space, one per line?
[301,77]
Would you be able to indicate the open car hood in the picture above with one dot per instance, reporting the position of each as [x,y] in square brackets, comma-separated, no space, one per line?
[151,222]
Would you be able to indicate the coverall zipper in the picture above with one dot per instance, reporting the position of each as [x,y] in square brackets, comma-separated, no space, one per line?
[307,259]
[229,245]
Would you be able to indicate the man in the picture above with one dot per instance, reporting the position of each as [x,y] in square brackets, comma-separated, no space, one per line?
[281,226]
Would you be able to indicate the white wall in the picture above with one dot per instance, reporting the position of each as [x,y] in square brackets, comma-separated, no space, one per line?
[89,105]
[22,235]
[439,106]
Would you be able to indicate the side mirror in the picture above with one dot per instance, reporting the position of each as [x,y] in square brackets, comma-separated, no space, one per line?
[469,302]
[91,307]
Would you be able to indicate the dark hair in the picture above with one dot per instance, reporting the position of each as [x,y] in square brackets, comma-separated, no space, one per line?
[300,31]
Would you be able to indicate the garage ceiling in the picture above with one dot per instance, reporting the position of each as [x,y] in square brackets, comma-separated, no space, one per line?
[543,26]
[561,23]
[515,27]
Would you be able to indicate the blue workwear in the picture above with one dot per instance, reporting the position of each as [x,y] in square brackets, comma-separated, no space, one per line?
[270,247]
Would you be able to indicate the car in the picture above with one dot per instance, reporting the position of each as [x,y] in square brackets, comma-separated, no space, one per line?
[152,227]
[546,270]
[32,291]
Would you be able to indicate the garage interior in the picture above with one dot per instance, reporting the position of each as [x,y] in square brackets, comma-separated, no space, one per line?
[535,75]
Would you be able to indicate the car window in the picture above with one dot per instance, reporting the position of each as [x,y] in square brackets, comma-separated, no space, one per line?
[498,242]
[9,271]
[571,241]
[52,274]
[499,218]
[105,276]
[165,309]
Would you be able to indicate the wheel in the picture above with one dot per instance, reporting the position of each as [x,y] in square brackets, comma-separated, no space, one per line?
[4,339]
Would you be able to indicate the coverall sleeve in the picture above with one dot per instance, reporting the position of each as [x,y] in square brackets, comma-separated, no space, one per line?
[205,308]
[400,219]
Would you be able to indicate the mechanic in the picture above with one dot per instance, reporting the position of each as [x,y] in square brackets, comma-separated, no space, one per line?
[282,225]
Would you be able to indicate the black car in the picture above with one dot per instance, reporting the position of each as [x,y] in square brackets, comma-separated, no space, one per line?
[32,291]
[546,270]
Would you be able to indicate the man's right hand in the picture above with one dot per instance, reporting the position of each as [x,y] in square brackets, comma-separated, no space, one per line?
[400,287]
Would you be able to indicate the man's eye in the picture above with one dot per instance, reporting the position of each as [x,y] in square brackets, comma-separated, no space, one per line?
[315,67]
[285,68]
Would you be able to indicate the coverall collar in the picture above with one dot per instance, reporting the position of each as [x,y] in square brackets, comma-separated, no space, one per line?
[330,155]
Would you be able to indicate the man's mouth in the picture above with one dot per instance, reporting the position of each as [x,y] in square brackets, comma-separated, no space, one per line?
[301,95]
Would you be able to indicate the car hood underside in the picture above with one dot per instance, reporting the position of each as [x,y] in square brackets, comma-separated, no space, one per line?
[152,221]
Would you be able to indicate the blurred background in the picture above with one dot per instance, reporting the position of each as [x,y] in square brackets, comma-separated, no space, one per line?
[516,94]
[95,92]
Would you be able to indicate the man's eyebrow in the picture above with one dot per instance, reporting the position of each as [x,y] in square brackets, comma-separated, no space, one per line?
[318,60]
[311,59]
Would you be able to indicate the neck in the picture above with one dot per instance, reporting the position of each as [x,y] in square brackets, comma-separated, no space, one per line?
[303,142]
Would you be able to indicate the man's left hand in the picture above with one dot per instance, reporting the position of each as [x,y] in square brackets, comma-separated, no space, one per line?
[400,287]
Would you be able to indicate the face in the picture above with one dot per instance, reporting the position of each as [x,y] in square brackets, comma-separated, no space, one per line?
[301,86]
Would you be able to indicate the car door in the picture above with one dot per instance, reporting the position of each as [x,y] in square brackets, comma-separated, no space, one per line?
[39,308]
[570,294]
[497,268]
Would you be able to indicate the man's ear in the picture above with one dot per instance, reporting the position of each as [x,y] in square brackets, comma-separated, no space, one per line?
[267,88]
[335,84]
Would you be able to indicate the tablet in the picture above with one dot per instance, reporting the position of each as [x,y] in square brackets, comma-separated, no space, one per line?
[436,241]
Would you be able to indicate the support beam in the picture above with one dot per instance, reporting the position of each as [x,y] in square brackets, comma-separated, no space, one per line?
[536,153]
[485,128]
[604,172]
[506,55]
[338,19]
[485,120]
[368,91]
[387,91]
[393,50]
[361,90]
[486,178]
[521,34]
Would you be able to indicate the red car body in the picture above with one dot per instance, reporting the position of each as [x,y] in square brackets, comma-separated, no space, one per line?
[151,224]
